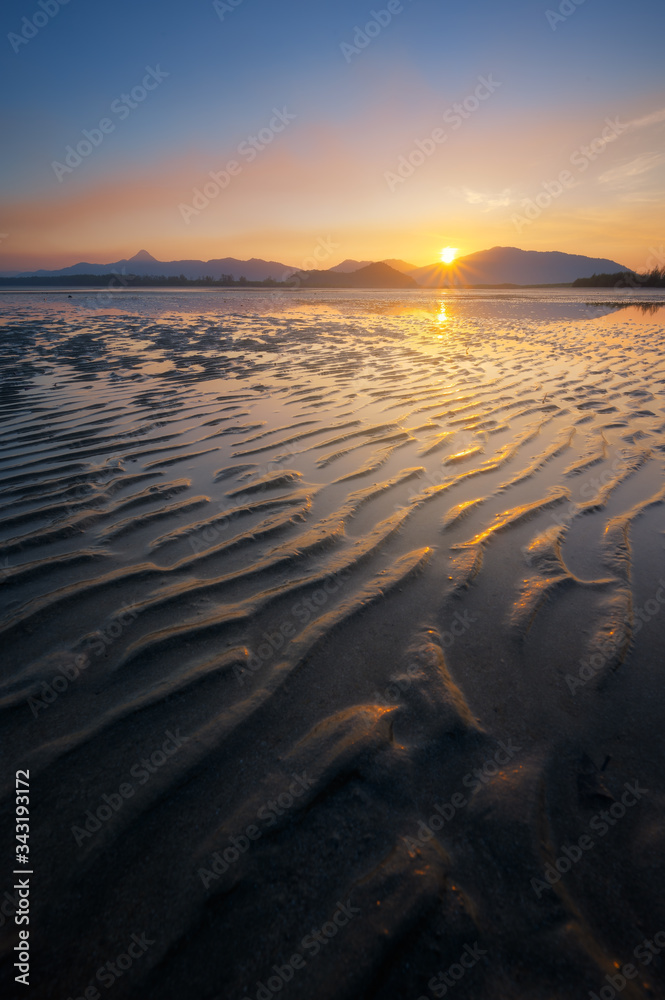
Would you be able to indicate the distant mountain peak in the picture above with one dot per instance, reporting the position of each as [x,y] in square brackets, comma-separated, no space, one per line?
[399,265]
[512,266]
[374,275]
[349,265]
[142,255]
[494,267]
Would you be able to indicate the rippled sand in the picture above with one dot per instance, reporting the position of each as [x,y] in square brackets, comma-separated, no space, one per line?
[332,623]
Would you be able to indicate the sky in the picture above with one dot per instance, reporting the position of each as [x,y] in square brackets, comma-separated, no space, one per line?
[292,131]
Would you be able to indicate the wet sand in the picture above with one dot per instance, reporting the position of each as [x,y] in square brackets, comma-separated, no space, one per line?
[333,631]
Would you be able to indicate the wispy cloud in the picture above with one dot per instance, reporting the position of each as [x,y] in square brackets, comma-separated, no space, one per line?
[489,200]
[642,197]
[653,119]
[632,173]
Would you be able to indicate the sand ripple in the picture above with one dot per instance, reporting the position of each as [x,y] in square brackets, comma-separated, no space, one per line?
[351,553]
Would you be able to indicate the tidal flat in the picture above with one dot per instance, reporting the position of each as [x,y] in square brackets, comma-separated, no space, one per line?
[333,630]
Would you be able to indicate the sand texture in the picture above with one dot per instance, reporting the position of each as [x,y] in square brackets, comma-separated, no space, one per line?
[333,624]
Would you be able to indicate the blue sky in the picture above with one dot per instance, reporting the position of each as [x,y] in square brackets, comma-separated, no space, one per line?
[355,118]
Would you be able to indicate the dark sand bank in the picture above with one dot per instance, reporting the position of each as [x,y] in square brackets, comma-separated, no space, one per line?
[333,631]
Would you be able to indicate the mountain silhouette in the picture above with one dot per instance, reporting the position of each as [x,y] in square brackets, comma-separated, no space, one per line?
[145,264]
[378,275]
[509,265]
[498,266]
[142,255]
[349,265]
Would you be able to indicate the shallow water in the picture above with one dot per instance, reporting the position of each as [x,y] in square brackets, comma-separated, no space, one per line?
[370,538]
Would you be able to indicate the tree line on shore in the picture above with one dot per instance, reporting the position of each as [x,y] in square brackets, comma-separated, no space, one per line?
[116,281]
[624,279]
[621,279]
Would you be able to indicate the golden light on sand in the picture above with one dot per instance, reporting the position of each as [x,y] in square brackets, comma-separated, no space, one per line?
[448,255]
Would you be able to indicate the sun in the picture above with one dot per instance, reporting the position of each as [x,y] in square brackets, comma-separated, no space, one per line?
[448,254]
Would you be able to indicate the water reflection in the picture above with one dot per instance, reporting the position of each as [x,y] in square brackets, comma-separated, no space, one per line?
[443,308]
[636,312]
